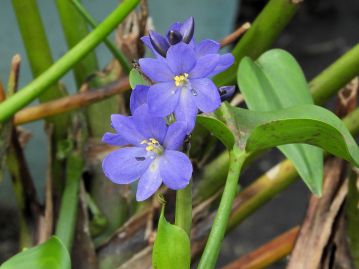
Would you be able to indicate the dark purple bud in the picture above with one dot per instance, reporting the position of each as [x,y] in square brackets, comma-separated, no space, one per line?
[226,92]
[174,37]
[188,30]
[159,43]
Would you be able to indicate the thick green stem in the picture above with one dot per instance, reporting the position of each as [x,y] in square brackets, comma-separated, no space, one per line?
[36,44]
[264,31]
[183,215]
[58,69]
[75,29]
[111,46]
[213,246]
[68,212]
[336,76]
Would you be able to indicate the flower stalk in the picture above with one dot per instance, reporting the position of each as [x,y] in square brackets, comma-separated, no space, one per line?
[183,213]
[213,246]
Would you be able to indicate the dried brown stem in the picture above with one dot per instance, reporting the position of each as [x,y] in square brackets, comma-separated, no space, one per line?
[347,98]
[235,35]
[14,74]
[268,253]
[70,102]
[322,213]
[2,92]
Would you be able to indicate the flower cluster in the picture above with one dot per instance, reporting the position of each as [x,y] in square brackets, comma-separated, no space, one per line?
[181,87]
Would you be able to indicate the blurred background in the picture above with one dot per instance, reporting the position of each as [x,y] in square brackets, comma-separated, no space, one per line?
[321,31]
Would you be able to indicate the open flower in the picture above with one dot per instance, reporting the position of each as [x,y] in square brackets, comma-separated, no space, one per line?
[181,83]
[149,153]
[178,32]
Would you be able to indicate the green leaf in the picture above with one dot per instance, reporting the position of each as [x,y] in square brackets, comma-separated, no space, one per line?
[308,124]
[51,254]
[136,78]
[172,247]
[273,82]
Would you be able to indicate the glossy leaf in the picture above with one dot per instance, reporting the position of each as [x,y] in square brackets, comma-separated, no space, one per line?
[172,247]
[273,82]
[51,254]
[136,78]
[310,124]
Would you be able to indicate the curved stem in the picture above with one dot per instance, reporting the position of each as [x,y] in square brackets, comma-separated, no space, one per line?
[110,45]
[336,76]
[58,69]
[183,215]
[75,29]
[213,246]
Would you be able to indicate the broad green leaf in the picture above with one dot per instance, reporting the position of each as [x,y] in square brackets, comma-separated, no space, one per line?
[51,254]
[136,79]
[273,82]
[308,124]
[172,247]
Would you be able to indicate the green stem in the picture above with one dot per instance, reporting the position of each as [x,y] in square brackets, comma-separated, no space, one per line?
[66,224]
[213,246]
[36,44]
[75,29]
[183,215]
[264,31]
[336,76]
[58,69]
[110,45]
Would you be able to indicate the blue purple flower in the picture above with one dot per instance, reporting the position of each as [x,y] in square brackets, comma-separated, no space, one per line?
[181,73]
[149,152]
[181,84]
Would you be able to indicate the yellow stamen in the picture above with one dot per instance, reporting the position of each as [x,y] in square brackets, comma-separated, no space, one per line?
[181,79]
[154,141]
[149,148]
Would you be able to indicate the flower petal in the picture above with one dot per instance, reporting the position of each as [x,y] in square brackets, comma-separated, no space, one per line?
[146,40]
[225,61]
[176,169]
[162,98]
[204,66]
[187,30]
[159,43]
[138,97]
[175,135]
[125,165]
[207,97]
[126,129]
[149,182]
[186,110]
[207,46]
[181,58]
[114,139]
[175,26]
[148,125]
[156,69]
